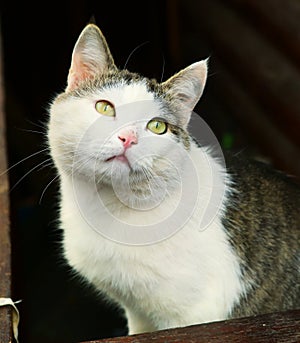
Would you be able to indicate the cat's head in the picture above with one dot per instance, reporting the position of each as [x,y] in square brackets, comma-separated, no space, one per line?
[111,125]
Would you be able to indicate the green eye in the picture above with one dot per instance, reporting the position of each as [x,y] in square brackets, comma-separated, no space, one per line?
[105,107]
[157,126]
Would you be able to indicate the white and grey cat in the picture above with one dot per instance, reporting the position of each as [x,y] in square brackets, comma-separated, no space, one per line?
[127,165]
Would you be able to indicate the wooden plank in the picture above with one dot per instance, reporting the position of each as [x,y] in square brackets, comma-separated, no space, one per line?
[173,29]
[268,75]
[281,327]
[279,20]
[5,247]
[254,121]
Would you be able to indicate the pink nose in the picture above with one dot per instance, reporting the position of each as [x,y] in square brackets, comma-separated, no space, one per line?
[128,136]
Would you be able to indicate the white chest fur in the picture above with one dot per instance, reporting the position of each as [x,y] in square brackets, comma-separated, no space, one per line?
[189,278]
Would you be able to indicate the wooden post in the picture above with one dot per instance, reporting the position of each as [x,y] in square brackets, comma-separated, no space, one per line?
[5,247]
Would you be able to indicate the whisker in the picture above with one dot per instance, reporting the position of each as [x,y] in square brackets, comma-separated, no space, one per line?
[31,170]
[45,189]
[80,163]
[163,68]
[23,160]
[133,51]
[153,178]
[31,131]
[40,125]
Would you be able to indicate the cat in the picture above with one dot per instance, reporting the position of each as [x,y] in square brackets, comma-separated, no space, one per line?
[152,218]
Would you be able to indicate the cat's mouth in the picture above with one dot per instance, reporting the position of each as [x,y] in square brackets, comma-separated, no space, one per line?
[121,158]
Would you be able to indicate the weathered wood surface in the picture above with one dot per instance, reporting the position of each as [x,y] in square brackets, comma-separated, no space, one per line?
[281,327]
[268,75]
[5,257]
[253,119]
[278,20]
[256,43]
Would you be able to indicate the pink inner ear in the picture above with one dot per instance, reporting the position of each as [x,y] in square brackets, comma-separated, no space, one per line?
[78,72]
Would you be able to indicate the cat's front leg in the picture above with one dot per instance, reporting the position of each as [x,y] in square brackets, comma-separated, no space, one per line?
[138,323]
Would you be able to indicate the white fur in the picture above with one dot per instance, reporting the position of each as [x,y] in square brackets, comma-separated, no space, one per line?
[188,278]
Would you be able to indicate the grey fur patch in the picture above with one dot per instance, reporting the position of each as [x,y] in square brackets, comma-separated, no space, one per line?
[110,79]
[181,135]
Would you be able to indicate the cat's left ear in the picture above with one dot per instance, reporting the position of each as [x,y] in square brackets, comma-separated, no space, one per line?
[186,87]
[91,56]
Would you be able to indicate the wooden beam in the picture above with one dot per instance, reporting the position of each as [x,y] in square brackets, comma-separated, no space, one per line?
[260,130]
[173,31]
[5,247]
[281,327]
[278,20]
[268,75]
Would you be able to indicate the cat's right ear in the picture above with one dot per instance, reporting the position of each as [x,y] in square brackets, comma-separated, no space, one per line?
[91,56]
[186,87]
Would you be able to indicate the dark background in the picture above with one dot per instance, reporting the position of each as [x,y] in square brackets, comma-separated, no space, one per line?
[251,102]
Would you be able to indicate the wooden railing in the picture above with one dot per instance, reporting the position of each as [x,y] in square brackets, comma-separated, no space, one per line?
[275,327]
